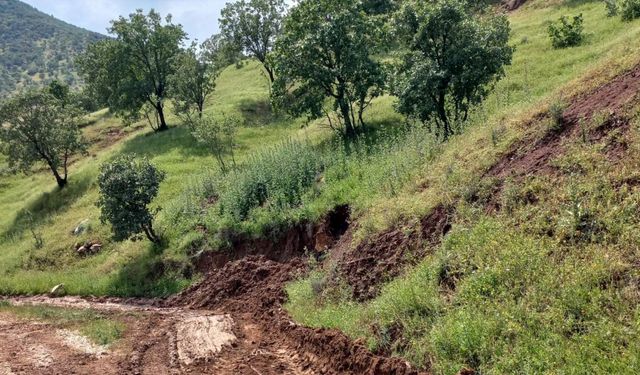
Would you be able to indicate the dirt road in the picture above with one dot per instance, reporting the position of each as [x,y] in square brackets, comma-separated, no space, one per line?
[231,323]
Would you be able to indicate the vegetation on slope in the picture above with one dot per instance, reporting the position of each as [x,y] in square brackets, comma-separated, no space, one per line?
[122,268]
[545,284]
[37,48]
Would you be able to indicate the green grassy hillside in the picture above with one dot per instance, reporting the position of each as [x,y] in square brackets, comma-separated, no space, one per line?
[546,284]
[126,268]
[36,48]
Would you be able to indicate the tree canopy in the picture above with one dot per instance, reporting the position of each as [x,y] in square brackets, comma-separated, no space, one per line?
[452,58]
[38,127]
[127,186]
[132,71]
[252,26]
[191,84]
[325,51]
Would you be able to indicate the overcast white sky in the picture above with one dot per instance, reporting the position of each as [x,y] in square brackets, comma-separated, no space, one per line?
[198,17]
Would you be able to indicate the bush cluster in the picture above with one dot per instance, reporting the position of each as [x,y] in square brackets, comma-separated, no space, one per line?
[630,10]
[566,33]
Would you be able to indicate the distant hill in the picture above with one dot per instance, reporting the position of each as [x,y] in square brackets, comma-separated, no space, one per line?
[36,48]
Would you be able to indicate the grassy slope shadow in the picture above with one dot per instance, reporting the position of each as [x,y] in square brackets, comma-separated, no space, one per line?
[47,204]
[148,275]
[155,144]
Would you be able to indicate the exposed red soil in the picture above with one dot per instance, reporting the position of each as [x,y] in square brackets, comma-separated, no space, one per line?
[384,256]
[250,292]
[253,288]
[248,284]
[533,156]
[294,242]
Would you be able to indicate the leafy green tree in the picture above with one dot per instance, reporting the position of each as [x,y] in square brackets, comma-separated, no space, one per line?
[133,69]
[325,52]
[220,52]
[218,135]
[59,90]
[630,10]
[191,84]
[127,186]
[452,59]
[252,26]
[37,127]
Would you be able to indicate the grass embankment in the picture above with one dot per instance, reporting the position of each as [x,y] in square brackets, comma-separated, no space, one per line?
[550,283]
[101,329]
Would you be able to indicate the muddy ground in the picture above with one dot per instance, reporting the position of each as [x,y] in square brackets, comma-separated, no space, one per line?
[231,323]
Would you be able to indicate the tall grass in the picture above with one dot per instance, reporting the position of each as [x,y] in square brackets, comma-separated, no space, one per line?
[296,181]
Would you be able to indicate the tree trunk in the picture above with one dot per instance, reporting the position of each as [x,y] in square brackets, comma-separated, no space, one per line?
[151,235]
[345,111]
[62,181]
[442,114]
[200,108]
[269,73]
[163,124]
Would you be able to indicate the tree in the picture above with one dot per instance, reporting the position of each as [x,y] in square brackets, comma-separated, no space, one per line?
[191,84]
[452,59]
[325,52]
[219,52]
[127,186]
[37,127]
[133,69]
[59,90]
[218,134]
[252,27]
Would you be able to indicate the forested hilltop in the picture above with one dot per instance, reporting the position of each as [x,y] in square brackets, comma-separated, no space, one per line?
[36,48]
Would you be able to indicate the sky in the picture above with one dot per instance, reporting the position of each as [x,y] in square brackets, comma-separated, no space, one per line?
[198,17]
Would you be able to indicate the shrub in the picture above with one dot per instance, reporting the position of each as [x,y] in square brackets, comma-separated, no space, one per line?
[567,34]
[612,8]
[218,135]
[630,10]
[556,113]
[127,187]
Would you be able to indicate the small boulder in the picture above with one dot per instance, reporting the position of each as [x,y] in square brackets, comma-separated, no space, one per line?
[81,250]
[95,248]
[57,291]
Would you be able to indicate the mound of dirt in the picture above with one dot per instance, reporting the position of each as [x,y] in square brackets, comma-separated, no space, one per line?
[254,281]
[331,352]
[252,289]
[386,255]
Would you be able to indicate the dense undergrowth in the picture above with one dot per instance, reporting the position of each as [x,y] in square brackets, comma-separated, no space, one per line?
[548,285]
